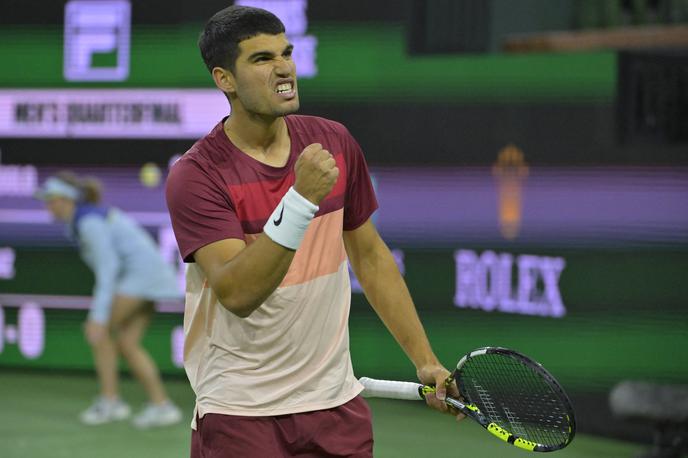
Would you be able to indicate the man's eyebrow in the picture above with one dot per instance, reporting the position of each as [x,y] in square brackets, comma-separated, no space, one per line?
[265,53]
[260,53]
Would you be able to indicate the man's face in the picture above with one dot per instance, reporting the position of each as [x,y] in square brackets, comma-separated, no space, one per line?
[265,76]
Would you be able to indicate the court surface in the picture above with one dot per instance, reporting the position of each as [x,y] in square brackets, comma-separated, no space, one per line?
[38,418]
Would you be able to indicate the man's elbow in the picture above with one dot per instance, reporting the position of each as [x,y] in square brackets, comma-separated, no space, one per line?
[239,307]
[238,299]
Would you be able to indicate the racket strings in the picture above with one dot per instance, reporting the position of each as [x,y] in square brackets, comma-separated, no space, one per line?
[516,397]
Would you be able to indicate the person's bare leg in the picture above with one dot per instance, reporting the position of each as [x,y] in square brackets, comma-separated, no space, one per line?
[130,320]
[105,360]
[108,407]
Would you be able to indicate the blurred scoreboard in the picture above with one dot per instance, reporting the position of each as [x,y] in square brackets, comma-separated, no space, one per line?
[113,74]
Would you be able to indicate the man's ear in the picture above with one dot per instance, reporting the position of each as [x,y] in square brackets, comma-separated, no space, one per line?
[224,80]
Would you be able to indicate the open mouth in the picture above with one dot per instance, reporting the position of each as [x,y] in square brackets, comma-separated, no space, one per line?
[285,90]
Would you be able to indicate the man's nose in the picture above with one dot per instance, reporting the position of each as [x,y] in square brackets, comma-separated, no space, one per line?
[283,67]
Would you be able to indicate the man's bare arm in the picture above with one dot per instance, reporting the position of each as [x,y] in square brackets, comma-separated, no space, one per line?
[386,291]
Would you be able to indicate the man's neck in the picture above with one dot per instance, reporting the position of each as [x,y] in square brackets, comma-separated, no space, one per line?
[266,140]
[256,132]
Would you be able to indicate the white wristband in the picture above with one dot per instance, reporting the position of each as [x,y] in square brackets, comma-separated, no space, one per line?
[288,223]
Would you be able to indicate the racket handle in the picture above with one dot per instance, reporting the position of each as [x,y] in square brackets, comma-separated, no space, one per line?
[391,389]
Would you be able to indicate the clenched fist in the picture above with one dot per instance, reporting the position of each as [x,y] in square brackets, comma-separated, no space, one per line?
[316,173]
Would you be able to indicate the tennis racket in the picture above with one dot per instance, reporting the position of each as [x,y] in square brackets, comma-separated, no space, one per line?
[509,394]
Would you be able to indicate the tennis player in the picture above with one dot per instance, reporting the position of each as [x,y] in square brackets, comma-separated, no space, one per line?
[266,208]
[129,275]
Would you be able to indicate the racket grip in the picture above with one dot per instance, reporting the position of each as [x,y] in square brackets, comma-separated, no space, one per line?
[390,389]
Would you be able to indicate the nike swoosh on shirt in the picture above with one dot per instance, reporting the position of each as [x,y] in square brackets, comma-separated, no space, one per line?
[278,221]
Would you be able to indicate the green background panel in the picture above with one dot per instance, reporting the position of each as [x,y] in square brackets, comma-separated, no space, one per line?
[356,62]
[66,347]
[590,354]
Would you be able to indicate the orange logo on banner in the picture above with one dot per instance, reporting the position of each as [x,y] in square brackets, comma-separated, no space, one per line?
[510,170]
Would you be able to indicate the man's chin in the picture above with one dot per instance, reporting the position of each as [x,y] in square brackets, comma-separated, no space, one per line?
[290,108]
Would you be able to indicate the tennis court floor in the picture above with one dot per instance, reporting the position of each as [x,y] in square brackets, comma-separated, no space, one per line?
[38,418]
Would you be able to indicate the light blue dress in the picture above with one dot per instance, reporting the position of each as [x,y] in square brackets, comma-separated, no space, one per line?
[123,257]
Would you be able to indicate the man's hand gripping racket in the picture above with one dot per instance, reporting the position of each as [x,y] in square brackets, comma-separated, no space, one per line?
[509,394]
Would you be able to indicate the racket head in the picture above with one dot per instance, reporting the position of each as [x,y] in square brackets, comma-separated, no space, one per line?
[521,401]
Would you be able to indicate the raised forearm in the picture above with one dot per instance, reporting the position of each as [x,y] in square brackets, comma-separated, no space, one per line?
[246,280]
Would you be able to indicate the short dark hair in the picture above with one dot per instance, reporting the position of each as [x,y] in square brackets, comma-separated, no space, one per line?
[219,41]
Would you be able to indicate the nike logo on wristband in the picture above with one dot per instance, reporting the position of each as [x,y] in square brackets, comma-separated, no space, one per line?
[278,221]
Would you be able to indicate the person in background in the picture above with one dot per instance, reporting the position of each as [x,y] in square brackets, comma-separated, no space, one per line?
[129,275]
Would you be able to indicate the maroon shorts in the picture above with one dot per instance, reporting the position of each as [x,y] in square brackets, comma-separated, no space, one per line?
[341,431]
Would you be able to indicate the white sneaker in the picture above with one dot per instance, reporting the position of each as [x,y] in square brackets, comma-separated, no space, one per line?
[104,410]
[154,415]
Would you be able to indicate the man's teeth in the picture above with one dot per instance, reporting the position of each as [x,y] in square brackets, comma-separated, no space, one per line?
[282,88]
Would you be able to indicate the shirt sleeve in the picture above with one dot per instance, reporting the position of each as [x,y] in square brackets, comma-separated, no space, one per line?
[360,201]
[200,211]
[94,236]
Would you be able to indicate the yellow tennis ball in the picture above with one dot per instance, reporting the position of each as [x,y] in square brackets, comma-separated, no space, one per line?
[150,174]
